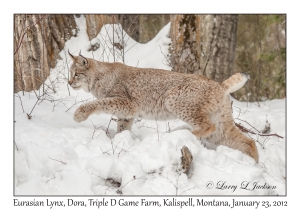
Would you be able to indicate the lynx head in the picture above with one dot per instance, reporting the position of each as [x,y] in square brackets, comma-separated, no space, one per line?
[79,73]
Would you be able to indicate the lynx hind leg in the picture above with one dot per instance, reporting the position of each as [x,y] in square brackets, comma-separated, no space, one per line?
[124,124]
[237,140]
[202,126]
[194,107]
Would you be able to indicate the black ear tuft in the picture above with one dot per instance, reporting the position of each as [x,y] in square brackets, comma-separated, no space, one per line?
[84,61]
[71,55]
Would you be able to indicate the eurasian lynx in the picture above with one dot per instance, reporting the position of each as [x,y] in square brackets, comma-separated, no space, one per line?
[129,92]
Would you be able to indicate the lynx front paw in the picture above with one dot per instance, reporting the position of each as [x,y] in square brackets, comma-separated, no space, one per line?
[81,114]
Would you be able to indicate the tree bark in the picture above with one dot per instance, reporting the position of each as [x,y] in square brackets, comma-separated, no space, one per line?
[130,23]
[141,28]
[218,46]
[150,25]
[203,44]
[38,40]
[185,50]
[94,23]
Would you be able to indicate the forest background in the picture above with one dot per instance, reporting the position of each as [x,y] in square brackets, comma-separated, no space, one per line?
[212,45]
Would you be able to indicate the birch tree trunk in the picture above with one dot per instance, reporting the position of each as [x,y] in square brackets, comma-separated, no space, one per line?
[203,44]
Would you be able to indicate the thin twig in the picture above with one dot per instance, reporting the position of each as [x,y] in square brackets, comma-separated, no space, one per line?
[188,190]
[176,186]
[34,106]
[104,152]
[20,42]
[68,71]
[16,145]
[157,129]
[248,124]
[58,160]
[20,101]
[53,177]
[107,132]
[133,179]
[245,130]
[167,59]
[82,101]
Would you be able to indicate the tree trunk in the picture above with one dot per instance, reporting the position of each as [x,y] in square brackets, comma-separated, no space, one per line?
[94,23]
[150,25]
[129,23]
[38,40]
[203,44]
[141,28]
[185,50]
[218,46]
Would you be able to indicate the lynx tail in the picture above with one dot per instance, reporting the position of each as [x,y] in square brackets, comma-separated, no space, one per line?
[235,82]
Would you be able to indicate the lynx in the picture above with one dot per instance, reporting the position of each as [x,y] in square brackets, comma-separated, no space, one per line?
[129,92]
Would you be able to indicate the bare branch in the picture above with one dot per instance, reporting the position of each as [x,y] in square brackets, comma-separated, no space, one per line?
[133,179]
[20,100]
[245,130]
[20,42]
[16,145]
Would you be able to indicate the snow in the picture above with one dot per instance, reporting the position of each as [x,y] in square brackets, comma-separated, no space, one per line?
[54,155]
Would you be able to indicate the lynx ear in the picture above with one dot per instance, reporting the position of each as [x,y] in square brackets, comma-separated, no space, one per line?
[84,61]
[71,55]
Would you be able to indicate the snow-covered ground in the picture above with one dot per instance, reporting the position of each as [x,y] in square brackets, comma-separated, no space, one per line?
[54,155]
